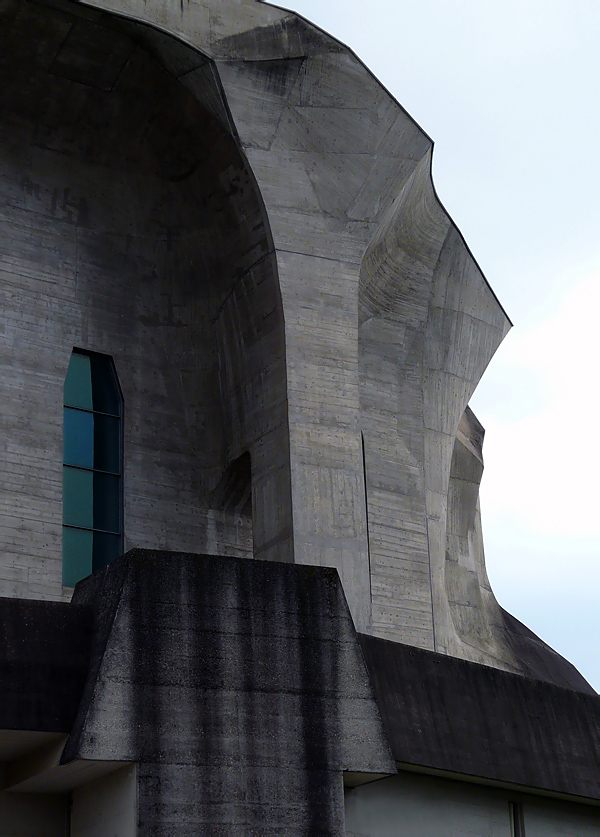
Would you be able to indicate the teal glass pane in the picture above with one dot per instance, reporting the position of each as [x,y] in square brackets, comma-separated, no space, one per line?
[106,549]
[107,443]
[79,438]
[77,555]
[78,497]
[107,502]
[78,383]
[105,393]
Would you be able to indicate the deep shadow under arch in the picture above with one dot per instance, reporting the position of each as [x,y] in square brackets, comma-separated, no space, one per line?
[138,230]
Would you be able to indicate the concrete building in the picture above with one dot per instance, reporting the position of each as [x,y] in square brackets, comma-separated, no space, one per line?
[240,337]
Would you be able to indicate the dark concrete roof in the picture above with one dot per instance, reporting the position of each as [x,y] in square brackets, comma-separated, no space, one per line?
[44,657]
[538,659]
[273,623]
[447,714]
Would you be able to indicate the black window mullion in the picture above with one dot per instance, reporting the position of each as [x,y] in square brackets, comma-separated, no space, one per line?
[93,470]
[91,529]
[93,412]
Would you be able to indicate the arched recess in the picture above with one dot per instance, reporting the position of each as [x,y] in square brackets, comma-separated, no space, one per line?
[133,226]
[327,171]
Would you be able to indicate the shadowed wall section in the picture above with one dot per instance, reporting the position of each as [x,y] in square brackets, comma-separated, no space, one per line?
[145,157]
[132,226]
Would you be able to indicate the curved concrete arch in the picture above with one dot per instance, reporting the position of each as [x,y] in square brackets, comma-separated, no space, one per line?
[138,231]
[328,159]
[338,163]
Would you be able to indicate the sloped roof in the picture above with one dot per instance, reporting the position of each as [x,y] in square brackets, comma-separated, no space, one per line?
[446,714]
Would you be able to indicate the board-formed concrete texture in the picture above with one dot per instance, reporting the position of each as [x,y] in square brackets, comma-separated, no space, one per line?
[436,711]
[224,200]
[246,683]
[222,696]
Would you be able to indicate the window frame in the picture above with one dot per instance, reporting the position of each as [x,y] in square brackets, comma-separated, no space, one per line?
[72,569]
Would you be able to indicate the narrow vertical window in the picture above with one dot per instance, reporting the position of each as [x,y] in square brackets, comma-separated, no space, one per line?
[92,466]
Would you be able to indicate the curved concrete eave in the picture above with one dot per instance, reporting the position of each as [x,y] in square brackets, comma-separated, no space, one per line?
[345,48]
[255,31]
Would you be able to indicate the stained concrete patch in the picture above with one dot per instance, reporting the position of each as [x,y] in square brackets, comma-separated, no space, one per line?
[238,686]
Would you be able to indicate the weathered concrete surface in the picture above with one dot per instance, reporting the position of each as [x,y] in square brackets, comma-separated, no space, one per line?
[44,660]
[242,692]
[459,717]
[225,200]
[428,327]
[131,225]
[239,687]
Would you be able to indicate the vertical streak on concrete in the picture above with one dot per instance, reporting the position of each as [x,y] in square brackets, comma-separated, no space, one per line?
[364,462]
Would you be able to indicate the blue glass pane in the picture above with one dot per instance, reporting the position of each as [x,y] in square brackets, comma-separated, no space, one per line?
[78,383]
[107,503]
[77,555]
[105,393]
[78,497]
[79,438]
[107,443]
[92,446]
[106,549]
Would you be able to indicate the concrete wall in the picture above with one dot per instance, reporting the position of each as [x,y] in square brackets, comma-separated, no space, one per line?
[194,191]
[131,226]
[424,806]
[107,806]
[140,231]
[239,688]
[429,325]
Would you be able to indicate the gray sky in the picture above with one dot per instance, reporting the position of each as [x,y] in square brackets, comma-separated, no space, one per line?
[510,92]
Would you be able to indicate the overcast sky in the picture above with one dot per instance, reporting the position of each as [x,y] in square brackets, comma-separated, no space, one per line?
[509,92]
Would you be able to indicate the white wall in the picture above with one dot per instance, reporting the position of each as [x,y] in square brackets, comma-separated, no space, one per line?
[106,807]
[559,819]
[425,806]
